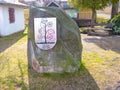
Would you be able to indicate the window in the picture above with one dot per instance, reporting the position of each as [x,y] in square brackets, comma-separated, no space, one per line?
[11,15]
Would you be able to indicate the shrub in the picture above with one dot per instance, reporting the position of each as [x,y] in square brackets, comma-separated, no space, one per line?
[116,24]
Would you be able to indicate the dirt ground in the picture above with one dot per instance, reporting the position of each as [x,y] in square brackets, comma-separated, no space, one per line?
[107,10]
[101,43]
[108,49]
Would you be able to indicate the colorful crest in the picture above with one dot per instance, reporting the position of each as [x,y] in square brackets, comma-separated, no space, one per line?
[45,30]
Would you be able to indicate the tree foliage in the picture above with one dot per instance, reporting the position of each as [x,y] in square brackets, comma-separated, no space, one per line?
[88,4]
[113,2]
[91,4]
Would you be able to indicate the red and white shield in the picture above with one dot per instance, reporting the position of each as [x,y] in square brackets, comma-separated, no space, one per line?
[45,30]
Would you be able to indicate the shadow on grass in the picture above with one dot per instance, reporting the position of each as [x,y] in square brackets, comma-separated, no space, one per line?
[7,41]
[106,43]
[80,80]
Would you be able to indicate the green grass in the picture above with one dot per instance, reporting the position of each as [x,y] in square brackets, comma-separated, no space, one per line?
[102,20]
[13,62]
[103,68]
[98,70]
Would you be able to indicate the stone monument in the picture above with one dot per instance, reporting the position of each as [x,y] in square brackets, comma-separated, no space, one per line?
[54,41]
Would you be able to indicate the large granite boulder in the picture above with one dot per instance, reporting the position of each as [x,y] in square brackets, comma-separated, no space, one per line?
[65,54]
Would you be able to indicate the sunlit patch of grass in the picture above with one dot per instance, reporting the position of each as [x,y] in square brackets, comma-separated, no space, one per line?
[103,67]
[13,62]
[91,58]
[102,20]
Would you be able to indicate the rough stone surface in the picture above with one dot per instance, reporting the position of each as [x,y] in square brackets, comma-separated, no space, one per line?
[65,56]
[118,88]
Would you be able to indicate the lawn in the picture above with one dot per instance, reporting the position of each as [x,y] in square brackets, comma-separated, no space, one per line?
[13,62]
[99,70]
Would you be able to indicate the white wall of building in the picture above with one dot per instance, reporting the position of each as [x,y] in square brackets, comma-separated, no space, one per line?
[1,21]
[10,28]
[10,0]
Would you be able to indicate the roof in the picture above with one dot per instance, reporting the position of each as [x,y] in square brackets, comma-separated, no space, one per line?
[55,4]
[13,3]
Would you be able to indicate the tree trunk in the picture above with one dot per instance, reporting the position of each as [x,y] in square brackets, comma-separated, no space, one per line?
[114,10]
[94,15]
